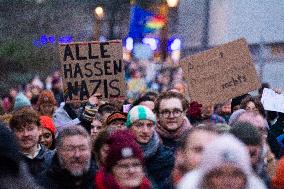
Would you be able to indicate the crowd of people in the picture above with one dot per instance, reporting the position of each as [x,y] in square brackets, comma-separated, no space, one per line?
[154,139]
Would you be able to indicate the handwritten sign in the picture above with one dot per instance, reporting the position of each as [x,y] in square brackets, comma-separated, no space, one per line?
[272,101]
[221,73]
[92,68]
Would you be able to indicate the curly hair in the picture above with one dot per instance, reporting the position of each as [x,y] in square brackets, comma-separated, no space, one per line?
[46,96]
[24,117]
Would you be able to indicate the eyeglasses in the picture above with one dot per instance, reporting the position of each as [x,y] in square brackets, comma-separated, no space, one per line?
[128,166]
[72,149]
[175,112]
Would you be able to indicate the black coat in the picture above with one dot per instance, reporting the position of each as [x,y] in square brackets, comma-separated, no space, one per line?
[275,131]
[159,167]
[57,178]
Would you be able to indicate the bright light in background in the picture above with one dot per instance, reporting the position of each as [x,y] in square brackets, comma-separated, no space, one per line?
[99,12]
[172,3]
[142,51]
[129,43]
[151,42]
[176,44]
[175,56]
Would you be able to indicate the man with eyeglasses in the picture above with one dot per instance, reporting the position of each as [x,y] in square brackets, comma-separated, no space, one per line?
[170,108]
[71,166]
[159,159]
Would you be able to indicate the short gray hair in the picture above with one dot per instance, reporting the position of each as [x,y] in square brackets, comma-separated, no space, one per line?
[71,131]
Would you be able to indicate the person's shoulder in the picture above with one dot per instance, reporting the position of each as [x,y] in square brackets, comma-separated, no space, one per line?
[190,180]
[47,155]
[45,152]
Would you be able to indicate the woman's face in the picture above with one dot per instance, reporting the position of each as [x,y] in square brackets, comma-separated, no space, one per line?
[46,109]
[46,138]
[251,106]
[103,153]
[128,172]
[195,145]
[224,177]
[96,128]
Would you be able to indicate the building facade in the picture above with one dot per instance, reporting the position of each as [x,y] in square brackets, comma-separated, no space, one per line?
[208,23]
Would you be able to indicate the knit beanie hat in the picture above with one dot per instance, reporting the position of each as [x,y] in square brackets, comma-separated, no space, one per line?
[47,122]
[89,113]
[139,113]
[246,133]
[21,101]
[226,149]
[116,116]
[122,145]
[46,97]
[194,110]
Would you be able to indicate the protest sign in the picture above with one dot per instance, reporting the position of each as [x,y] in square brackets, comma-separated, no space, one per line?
[221,73]
[92,68]
[272,101]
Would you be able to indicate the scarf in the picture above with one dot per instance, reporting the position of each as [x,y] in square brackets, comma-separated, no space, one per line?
[177,133]
[104,180]
[151,147]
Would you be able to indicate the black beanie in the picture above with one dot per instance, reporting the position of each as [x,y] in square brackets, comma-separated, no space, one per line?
[246,133]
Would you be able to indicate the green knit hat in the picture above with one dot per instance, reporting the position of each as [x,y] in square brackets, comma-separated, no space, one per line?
[139,113]
[21,101]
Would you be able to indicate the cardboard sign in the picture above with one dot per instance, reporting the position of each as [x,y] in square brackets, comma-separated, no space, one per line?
[221,73]
[92,68]
[272,101]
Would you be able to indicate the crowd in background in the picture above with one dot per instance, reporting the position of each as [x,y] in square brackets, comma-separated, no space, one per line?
[156,138]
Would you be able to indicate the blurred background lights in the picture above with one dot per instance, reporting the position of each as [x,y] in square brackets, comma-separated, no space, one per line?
[176,45]
[172,3]
[99,12]
[151,42]
[142,51]
[129,43]
[102,39]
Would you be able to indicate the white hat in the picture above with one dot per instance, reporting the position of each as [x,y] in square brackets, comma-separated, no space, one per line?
[225,149]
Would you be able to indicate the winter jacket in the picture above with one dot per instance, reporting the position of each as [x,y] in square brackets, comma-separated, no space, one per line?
[58,178]
[41,162]
[275,131]
[278,179]
[64,116]
[159,167]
